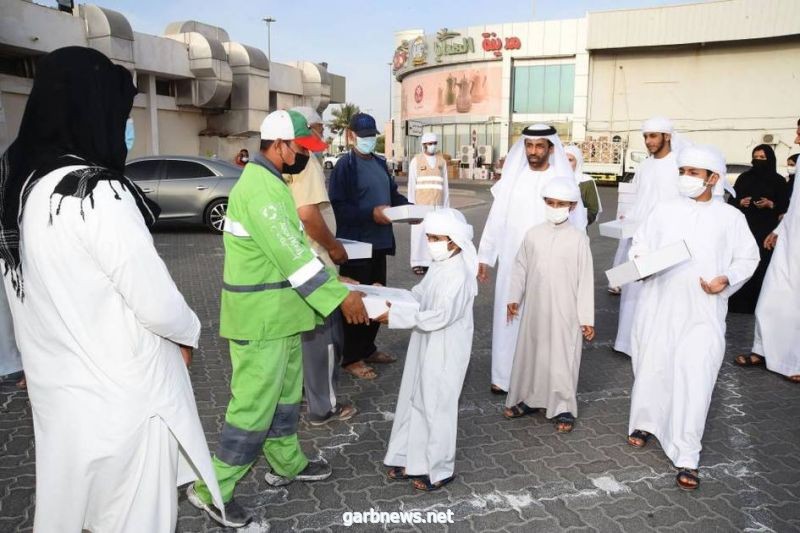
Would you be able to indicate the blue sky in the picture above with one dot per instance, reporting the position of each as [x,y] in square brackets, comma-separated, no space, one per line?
[355,37]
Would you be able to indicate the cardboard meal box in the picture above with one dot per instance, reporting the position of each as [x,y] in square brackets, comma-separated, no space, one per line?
[618,229]
[408,213]
[647,265]
[626,196]
[357,249]
[376,298]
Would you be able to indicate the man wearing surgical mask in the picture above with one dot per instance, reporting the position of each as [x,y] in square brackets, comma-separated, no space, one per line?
[361,187]
[427,185]
[322,347]
[678,333]
[274,289]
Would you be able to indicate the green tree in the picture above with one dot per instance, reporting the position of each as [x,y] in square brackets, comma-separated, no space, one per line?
[380,144]
[341,118]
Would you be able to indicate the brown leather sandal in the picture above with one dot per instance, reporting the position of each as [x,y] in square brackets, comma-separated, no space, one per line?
[639,438]
[749,360]
[687,479]
[360,370]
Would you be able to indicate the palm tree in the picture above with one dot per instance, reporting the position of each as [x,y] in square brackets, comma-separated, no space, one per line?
[341,118]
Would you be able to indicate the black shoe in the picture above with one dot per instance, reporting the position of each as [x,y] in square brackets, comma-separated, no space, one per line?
[235,515]
[314,471]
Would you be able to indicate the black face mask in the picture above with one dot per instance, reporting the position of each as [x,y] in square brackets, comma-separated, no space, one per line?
[300,162]
[760,163]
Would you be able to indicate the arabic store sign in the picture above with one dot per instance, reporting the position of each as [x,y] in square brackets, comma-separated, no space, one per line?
[493,43]
[448,43]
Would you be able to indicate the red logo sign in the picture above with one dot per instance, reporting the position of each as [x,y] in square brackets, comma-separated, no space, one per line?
[400,58]
[418,94]
[493,43]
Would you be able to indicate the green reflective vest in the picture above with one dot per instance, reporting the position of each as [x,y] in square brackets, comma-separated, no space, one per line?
[274,285]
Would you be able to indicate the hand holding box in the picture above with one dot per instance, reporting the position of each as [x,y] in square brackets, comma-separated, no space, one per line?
[647,265]
[376,297]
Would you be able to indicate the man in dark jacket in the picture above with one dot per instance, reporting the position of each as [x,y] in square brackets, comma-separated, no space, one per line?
[361,187]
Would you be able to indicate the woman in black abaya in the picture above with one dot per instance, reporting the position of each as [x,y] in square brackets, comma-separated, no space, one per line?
[762,195]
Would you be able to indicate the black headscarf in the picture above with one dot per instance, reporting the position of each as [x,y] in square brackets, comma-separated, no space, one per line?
[75,115]
[762,181]
[768,166]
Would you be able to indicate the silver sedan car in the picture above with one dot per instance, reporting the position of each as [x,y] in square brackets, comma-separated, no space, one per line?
[186,188]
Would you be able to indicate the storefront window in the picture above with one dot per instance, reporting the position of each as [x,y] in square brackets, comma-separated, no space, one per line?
[449,144]
[544,89]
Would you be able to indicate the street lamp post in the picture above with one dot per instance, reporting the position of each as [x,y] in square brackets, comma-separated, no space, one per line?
[269,21]
[391,119]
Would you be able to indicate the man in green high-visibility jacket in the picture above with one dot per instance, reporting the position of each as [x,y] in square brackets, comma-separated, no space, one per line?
[274,288]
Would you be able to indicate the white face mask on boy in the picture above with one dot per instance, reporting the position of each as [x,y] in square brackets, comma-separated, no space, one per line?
[691,186]
[556,215]
[439,251]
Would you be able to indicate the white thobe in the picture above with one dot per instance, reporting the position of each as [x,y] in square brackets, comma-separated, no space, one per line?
[10,360]
[500,241]
[553,282]
[657,181]
[114,416]
[678,338]
[777,335]
[419,254]
[423,438]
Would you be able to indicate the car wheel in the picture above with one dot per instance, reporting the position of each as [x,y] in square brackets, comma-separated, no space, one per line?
[214,217]
[328,165]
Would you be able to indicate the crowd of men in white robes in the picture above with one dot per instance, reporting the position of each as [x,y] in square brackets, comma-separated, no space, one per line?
[81,313]
[671,324]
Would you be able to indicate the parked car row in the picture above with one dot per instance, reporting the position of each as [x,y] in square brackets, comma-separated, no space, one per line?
[187,189]
[329,160]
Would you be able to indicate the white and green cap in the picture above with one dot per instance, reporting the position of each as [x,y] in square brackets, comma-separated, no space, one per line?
[290,126]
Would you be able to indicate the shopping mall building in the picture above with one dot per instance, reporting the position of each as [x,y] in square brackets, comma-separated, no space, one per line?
[725,71]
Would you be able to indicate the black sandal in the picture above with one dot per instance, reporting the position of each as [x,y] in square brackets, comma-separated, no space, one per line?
[687,479]
[564,419]
[427,486]
[747,360]
[397,473]
[639,435]
[419,271]
[519,410]
[497,390]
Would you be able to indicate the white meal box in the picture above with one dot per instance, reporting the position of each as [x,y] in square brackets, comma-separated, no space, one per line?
[647,265]
[618,229]
[626,196]
[408,213]
[357,249]
[376,297]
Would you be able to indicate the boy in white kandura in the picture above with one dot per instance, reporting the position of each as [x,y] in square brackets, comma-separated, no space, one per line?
[678,334]
[422,445]
[552,294]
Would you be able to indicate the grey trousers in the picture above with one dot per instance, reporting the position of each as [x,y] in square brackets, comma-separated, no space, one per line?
[322,355]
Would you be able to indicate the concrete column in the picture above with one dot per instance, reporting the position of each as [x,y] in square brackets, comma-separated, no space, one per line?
[152,114]
[505,115]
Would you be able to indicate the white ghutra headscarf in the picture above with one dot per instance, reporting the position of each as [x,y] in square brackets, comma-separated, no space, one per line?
[450,222]
[516,162]
[708,158]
